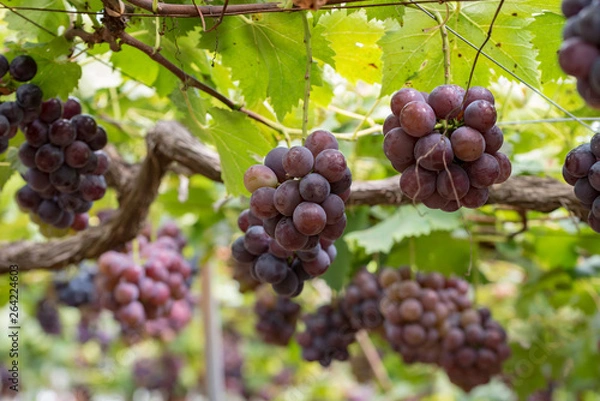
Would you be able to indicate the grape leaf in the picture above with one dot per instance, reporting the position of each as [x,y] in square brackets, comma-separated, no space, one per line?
[354,40]
[240,144]
[133,63]
[267,56]
[407,221]
[547,39]
[41,25]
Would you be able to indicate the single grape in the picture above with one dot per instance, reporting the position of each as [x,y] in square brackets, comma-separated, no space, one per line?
[309,255]
[3,65]
[62,133]
[478,93]
[568,177]
[261,203]
[399,147]
[435,201]
[571,28]
[571,8]
[4,127]
[483,172]
[49,158]
[298,161]
[589,23]
[65,179]
[417,119]
[480,115]
[91,165]
[494,138]
[80,222]
[274,160]
[309,218]
[258,176]
[71,108]
[287,197]
[403,96]
[29,96]
[334,231]
[453,183]
[475,198]
[51,110]
[30,115]
[591,97]
[434,152]
[271,223]
[92,187]
[270,269]
[585,192]
[103,163]
[256,240]
[99,140]
[77,154]
[28,199]
[290,286]
[38,180]
[23,68]
[577,56]
[288,236]
[418,183]
[314,188]
[331,164]
[390,122]
[414,334]
[342,186]
[12,112]
[505,167]
[319,141]
[27,155]
[446,101]
[49,211]
[334,208]
[467,143]
[36,133]
[595,145]
[580,160]
[319,265]
[594,176]
[66,220]
[85,126]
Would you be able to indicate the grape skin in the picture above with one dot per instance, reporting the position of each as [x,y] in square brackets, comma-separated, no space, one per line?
[23,68]
[480,115]
[390,122]
[402,97]
[494,138]
[49,158]
[453,183]
[298,161]
[309,218]
[314,188]
[446,101]
[467,143]
[417,118]
[274,161]
[320,140]
[287,197]
[331,164]
[483,172]
[418,184]
[434,152]
[288,236]
[398,146]
[258,176]
[577,56]
[261,203]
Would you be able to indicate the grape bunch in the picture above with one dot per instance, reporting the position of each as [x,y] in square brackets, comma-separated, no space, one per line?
[166,328]
[66,165]
[582,170]
[327,336]
[46,313]
[29,97]
[430,319]
[145,286]
[79,290]
[446,144]
[361,301]
[297,211]
[579,54]
[277,317]
[160,373]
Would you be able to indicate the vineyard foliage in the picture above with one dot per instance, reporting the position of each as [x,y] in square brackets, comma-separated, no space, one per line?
[538,272]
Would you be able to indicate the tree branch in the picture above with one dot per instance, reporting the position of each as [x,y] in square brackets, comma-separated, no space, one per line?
[137,186]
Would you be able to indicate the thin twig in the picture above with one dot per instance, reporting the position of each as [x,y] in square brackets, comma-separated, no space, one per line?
[362,338]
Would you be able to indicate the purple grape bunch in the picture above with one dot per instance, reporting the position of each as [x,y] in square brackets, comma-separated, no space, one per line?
[446,145]
[579,54]
[66,165]
[297,211]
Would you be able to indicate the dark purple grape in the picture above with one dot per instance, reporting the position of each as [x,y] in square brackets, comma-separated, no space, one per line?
[334,208]
[585,192]
[30,115]
[38,180]
[12,112]
[288,236]
[446,101]
[331,164]
[85,127]
[91,165]
[579,161]
[390,122]
[314,188]
[49,211]
[3,65]
[23,68]
[62,133]
[494,138]
[298,161]
[467,143]
[403,96]
[270,269]
[594,222]
[27,155]
[92,187]
[4,127]
[342,186]
[571,8]
[70,201]
[256,240]
[478,93]
[28,199]
[49,158]
[261,203]
[576,57]
[36,133]
[29,96]
[418,183]
[319,265]
[287,197]
[589,24]
[77,154]
[334,231]
[65,179]
[270,224]
[594,176]
[309,218]
[290,286]
[51,110]
[417,119]
[399,147]
[71,108]
[103,162]
[453,183]
[568,177]
[434,152]
[475,198]
[505,167]
[435,201]
[319,141]
[480,115]
[274,160]
[99,140]
[483,172]
[66,220]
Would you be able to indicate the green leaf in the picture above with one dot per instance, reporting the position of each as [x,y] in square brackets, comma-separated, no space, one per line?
[407,221]
[136,64]
[240,144]
[354,40]
[266,55]
[547,39]
[40,25]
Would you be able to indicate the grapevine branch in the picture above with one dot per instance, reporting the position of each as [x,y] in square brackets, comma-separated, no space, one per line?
[137,186]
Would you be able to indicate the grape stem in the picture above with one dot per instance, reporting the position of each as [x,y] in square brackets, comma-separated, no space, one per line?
[309,62]
[365,343]
[445,45]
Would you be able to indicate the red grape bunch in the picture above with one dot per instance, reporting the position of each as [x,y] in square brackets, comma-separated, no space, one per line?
[430,319]
[145,283]
[277,317]
[361,301]
[582,170]
[327,336]
[297,211]
[66,165]
[29,96]
[445,144]
[579,54]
